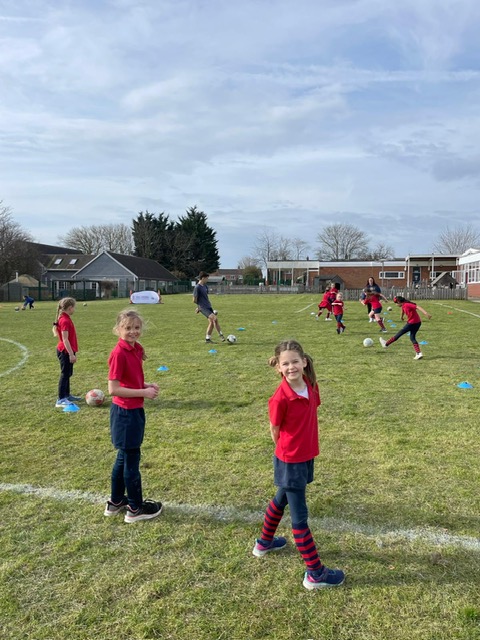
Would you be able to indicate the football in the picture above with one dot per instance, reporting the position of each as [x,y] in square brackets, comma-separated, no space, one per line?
[95,397]
[389,308]
[231,339]
[368,342]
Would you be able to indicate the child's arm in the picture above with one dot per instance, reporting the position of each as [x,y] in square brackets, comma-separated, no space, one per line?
[383,297]
[68,346]
[274,432]
[115,389]
[424,312]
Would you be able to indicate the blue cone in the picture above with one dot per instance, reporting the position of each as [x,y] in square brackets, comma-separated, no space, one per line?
[423,342]
[240,329]
[71,408]
[162,368]
[212,351]
[465,385]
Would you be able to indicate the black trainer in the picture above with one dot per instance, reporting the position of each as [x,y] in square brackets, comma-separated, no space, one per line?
[147,511]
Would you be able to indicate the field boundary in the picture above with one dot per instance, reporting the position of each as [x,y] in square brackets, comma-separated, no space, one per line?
[24,358]
[436,537]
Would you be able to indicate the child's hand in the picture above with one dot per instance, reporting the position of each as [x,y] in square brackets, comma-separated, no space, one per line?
[429,316]
[151,392]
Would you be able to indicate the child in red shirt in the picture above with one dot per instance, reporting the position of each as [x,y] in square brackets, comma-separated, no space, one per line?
[128,389]
[337,310]
[294,430]
[67,348]
[414,323]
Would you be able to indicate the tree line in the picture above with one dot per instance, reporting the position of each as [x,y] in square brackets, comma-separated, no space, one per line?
[189,245]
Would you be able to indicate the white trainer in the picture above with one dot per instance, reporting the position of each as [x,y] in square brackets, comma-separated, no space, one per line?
[418,356]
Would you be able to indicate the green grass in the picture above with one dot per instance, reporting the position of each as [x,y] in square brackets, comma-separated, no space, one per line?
[400,453]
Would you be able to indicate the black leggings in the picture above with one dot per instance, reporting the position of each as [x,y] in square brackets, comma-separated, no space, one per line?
[413,328]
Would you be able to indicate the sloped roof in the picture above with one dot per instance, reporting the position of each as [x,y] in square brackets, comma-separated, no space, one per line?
[144,268]
[65,261]
[51,249]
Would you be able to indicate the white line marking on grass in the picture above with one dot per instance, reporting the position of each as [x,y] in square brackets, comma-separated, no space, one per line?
[22,361]
[230,514]
[305,308]
[456,309]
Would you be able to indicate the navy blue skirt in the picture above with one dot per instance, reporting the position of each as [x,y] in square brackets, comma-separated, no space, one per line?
[292,475]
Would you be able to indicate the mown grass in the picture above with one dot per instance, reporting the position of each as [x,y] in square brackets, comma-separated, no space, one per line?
[400,451]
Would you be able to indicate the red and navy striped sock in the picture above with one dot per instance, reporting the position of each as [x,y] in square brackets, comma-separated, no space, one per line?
[271,520]
[306,545]
[416,346]
[390,340]
[380,323]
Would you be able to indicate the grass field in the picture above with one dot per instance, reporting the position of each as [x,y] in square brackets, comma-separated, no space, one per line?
[395,502]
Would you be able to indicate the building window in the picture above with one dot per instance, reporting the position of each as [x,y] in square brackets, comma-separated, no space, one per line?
[73,261]
[392,275]
[58,261]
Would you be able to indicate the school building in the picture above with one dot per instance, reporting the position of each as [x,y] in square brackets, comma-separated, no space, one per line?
[414,270]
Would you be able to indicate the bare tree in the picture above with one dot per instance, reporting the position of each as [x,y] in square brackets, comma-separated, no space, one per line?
[16,255]
[247,262]
[341,242]
[271,246]
[380,251]
[97,238]
[457,240]
[299,248]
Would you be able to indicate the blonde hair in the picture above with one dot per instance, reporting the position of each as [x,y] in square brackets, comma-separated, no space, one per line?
[123,318]
[63,305]
[293,345]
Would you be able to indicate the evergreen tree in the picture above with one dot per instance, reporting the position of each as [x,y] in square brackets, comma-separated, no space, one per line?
[198,242]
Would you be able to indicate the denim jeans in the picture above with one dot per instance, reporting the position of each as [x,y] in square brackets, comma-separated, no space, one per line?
[126,476]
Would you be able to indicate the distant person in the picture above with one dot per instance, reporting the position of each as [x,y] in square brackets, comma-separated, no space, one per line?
[29,302]
[414,323]
[127,386]
[326,303]
[371,284]
[200,298]
[337,310]
[67,348]
[294,430]
[374,298]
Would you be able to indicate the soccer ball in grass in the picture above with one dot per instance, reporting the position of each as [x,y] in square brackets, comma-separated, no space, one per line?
[95,398]
[389,308]
[231,339]
[368,342]
[17,308]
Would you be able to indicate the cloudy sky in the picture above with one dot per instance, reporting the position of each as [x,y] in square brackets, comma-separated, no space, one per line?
[269,115]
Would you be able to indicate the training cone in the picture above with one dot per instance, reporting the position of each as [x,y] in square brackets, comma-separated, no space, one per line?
[162,368]
[465,385]
[71,408]
[212,351]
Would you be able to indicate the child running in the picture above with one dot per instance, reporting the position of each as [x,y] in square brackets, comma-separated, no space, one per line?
[414,323]
[337,309]
[326,302]
[375,299]
[201,299]
[294,430]
[67,348]
[128,389]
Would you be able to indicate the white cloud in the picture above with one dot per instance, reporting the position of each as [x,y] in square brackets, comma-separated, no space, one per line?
[262,113]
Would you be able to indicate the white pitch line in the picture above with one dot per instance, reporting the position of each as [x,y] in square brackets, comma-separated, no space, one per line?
[305,308]
[229,514]
[22,361]
[456,309]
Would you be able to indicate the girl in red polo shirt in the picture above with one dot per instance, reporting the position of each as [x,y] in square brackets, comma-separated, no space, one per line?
[128,389]
[414,323]
[294,430]
[67,347]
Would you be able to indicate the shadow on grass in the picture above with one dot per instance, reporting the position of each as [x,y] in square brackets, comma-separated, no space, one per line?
[198,404]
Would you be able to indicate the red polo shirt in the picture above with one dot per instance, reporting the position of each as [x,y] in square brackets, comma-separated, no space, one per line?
[126,365]
[410,310]
[297,418]
[65,323]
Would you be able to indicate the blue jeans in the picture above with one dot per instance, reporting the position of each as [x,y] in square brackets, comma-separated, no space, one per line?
[126,476]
